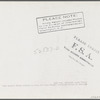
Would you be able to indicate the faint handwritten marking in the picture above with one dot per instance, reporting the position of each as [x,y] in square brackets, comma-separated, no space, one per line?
[45,50]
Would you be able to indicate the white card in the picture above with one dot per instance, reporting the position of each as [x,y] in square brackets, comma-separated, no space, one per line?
[49,49]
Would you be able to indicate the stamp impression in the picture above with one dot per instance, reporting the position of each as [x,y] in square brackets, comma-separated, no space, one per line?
[81,52]
[60,22]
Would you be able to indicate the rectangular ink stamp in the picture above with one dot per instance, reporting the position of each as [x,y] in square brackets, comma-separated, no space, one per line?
[60,22]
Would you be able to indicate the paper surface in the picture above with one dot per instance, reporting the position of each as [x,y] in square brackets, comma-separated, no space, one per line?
[49,49]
